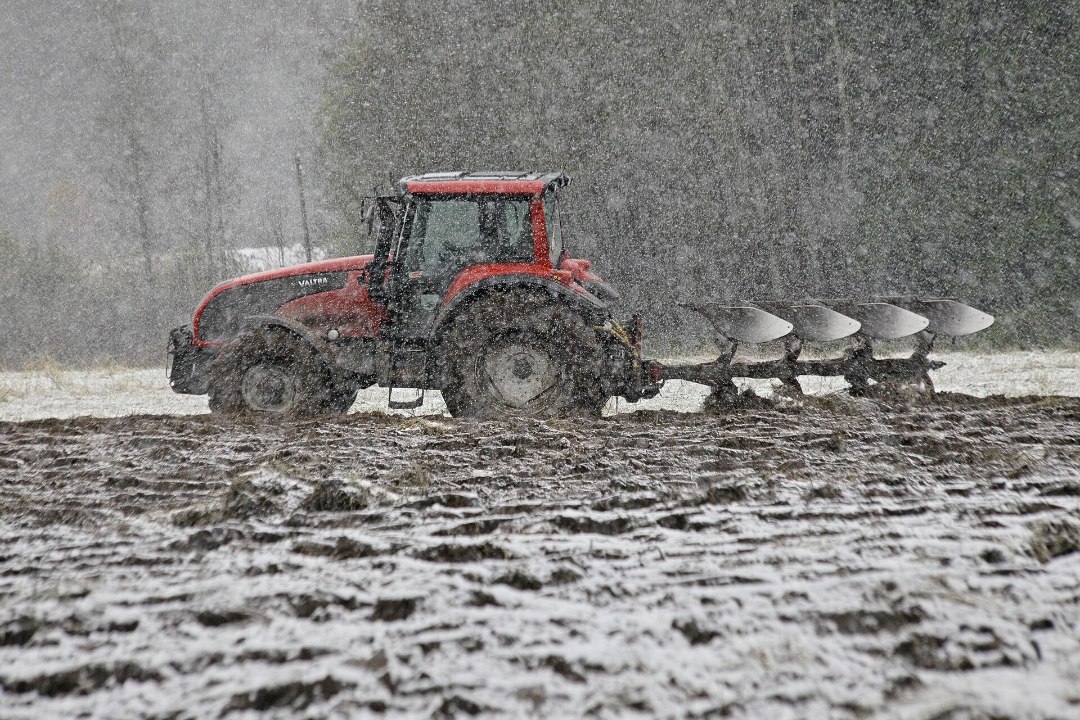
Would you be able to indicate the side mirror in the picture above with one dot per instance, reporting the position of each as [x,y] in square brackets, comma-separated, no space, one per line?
[367,210]
[367,216]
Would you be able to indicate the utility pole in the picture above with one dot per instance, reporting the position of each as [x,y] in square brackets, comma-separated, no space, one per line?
[303,208]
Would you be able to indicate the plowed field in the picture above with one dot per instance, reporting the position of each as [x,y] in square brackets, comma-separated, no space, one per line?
[816,557]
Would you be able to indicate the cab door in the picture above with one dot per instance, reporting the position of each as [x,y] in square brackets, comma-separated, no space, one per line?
[444,235]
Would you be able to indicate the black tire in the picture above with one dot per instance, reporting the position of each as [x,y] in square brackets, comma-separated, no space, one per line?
[455,400]
[515,354]
[343,400]
[271,370]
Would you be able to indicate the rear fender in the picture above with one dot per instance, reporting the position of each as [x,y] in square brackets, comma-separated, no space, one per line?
[591,308]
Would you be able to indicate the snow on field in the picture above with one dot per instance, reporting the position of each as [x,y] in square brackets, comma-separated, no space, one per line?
[833,558]
[830,557]
[112,393]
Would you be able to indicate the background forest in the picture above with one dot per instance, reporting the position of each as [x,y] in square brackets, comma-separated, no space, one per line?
[769,149]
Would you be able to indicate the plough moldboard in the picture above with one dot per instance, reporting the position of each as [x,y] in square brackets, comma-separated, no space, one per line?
[800,323]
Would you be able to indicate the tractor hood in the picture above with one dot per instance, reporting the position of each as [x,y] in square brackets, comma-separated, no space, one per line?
[222,312]
[346,264]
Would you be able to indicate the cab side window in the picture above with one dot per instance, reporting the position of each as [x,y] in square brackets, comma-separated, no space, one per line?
[506,230]
[451,234]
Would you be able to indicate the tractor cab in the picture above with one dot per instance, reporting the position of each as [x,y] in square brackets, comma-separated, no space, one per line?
[447,232]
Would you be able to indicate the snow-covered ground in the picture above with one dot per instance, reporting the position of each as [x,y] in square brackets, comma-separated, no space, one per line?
[111,393]
[885,556]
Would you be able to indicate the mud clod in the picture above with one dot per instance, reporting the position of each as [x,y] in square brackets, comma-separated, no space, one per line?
[464,553]
[1054,538]
[219,617]
[335,496]
[250,497]
[482,598]
[722,493]
[18,631]
[862,622]
[694,633]
[209,539]
[725,402]
[393,609]
[564,576]
[297,696]
[597,525]
[1062,490]
[343,548]
[926,651]
[456,706]
[308,605]
[561,666]
[826,491]
[80,680]
[519,580]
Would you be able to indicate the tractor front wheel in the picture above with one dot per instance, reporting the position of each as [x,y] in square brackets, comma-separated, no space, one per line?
[271,370]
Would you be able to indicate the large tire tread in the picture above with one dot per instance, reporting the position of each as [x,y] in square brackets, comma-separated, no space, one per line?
[572,341]
[316,392]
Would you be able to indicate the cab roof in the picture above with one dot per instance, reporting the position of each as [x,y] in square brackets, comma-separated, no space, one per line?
[473,183]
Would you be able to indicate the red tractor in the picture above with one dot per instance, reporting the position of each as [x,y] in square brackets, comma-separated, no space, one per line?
[471,292]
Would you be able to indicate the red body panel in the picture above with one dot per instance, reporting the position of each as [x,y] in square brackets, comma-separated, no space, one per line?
[475,187]
[354,265]
[349,309]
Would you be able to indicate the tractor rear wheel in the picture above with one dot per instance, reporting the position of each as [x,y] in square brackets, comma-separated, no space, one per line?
[516,354]
[271,370]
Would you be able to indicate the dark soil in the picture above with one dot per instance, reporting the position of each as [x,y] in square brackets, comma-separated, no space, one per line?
[831,557]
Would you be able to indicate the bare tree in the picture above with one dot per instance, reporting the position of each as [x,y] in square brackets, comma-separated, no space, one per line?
[128,119]
[214,192]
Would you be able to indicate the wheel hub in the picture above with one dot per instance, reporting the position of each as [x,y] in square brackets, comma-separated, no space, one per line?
[268,389]
[523,369]
[519,373]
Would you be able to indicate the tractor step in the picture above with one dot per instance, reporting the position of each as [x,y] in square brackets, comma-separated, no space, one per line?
[412,404]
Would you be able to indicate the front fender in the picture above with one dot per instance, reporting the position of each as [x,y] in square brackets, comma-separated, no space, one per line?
[296,328]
